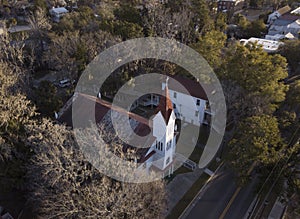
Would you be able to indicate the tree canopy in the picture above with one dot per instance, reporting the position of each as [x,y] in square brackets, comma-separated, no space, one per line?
[257,140]
[257,72]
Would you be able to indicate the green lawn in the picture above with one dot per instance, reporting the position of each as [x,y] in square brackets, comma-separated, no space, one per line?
[179,171]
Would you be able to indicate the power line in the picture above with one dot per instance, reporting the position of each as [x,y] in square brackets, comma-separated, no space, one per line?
[274,183]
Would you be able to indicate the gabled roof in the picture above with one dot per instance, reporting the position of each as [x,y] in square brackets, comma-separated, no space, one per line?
[282,22]
[284,10]
[289,17]
[102,108]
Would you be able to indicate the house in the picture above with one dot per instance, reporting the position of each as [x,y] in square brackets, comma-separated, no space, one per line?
[227,5]
[57,13]
[286,24]
[276,14]
[278,37]
[269,46]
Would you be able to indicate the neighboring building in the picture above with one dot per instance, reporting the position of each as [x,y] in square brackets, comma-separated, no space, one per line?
[278,37]
[276,14]
[287,24]
[57,13]
[296,11]
[227,5]
[269,46]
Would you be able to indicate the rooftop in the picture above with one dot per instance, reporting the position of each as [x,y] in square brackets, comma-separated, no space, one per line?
[267,45]
[284,10]
[59,10]
[165,105]
[282,22]
[192,87]
[103,109]
[296,11]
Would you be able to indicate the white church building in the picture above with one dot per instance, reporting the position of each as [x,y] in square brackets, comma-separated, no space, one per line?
[159,151]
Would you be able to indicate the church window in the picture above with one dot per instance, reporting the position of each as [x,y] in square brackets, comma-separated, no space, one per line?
[169,145]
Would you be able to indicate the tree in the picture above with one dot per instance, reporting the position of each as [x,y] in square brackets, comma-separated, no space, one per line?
[202,18]
[221,22]
[38,36]
[70,52]
[47,99]
[128,13]
[257,140]
[256,72]
[293,94]
[16,111]
[291,50]
[256,28]
[256,3]
[40,4]
[163,22]
[210,46]
[64,184]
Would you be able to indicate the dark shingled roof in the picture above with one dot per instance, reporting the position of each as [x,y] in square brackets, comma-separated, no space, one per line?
[193,87]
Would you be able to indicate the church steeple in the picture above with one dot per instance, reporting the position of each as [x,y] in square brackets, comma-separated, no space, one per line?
[165,103]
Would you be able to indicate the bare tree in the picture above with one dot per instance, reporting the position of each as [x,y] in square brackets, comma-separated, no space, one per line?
[64,185]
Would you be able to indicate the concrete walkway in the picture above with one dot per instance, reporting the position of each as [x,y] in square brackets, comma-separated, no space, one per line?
[277,210]
[180,185]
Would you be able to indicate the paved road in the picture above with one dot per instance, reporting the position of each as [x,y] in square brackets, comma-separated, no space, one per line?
[212,203]
[242,202]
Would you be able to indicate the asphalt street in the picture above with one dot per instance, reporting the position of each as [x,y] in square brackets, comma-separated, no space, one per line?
[216,198]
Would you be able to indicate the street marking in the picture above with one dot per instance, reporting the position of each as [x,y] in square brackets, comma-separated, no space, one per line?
[230,202]
[235,194]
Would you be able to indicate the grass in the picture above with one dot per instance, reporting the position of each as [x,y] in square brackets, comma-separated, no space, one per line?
[203,135]
[196,154]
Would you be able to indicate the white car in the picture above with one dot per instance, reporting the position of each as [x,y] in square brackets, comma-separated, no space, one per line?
[64,83]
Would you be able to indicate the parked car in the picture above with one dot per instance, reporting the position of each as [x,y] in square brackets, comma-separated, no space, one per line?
[64,83]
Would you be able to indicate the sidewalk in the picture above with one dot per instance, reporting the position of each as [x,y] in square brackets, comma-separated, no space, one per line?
[277,210]
[180,185]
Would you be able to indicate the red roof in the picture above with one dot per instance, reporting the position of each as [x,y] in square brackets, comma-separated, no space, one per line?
[165,105]
[102,107]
